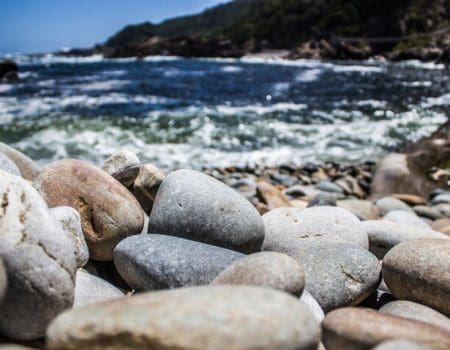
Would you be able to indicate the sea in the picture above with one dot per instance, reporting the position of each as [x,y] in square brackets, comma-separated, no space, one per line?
[204,113]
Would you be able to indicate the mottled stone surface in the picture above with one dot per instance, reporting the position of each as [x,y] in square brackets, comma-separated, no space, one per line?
[383,235]
[357,328]
[418,271]
[387,204]
[313,306]
[405,218]
[152,261]
[108,211]
[265,269]
[415,311]
[28,168]
[8,165]
[90,290]
[338,274]
[195,206]
[400,344]
[288,229]
[191,318]
[146,185]
[70,221]
[38,258]
[123,166]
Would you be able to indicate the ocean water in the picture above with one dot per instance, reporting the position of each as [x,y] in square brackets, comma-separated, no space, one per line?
[217,112]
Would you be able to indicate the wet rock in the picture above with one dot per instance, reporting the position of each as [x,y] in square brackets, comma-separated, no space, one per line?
[312,305]
[400,344]
[28,168]
[108,211]
[338,274]
[384,235]
[265,269]
[90,290]
[418,271]
[288,229]
[388,204]
[364,210]
[406,218]
[8,165]
[195,206]
[209,317]
[38,258]
[70,221]
[9,70]
[355,328]
[146,185]
[123,166]
[415,311]
[152,261]
[271,196]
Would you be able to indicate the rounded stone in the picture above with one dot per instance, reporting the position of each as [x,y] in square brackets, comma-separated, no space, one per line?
[38,258]
[196,318]
[265,269]
[108,211]
[3,279]
[123,166]
[400,344]
[195,206]
[153,261]
[418,270]
[28,168]
[288,229]
[338,274]
[415,311]
[357,328]
[383,235]
[70,221]
[387,204]
[90,289]
[405,218]
[312,305]
[8,165]
[364,210]
[428,212]
[146,185]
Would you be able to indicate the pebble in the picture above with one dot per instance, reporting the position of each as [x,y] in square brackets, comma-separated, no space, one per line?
[428,212]
[417,270]
[328,186]
[28,168]
[442,225]
[3,279]
[415,311]
[153,261]
[8,165]
[39,261]
[108,211]
[284,179]
[405,218]
[387,204]
[364,210]
[324,199]
[444,209]
[123,166]
[308,300]
[70,222]
[301,191]
[338,274]
[146,185]
[384,235]
[355,328]
[265,269]
[410,199]
[400,344]
[195,206]
[196,318]
[271,196]
[443,198]
[90,290]
[290,228]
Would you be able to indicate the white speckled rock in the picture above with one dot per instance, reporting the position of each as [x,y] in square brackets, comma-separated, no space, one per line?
[418,270]
[70,221]
[265,269]
[123,166]
[387,204]
[383,235]
[415,311]
[288,229]
[28,168]
[208,317]
[8,165]
[195,206]
[90,289]
[148,262]
[39,261]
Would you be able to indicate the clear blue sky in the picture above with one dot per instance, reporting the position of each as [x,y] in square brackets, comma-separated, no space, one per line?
[28,26]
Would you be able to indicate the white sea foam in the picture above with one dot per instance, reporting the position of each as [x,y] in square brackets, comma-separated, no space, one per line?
[5,88]
[422,65]
[414,84]
[309,75]
[231,69]
[104,85]
[443,100]
[357,69]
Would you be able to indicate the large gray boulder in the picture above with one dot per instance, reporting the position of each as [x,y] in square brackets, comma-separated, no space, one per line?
[152,261]
[195,206]
[39,261]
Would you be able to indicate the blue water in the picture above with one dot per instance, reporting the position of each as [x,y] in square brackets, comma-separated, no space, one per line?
[194,113]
